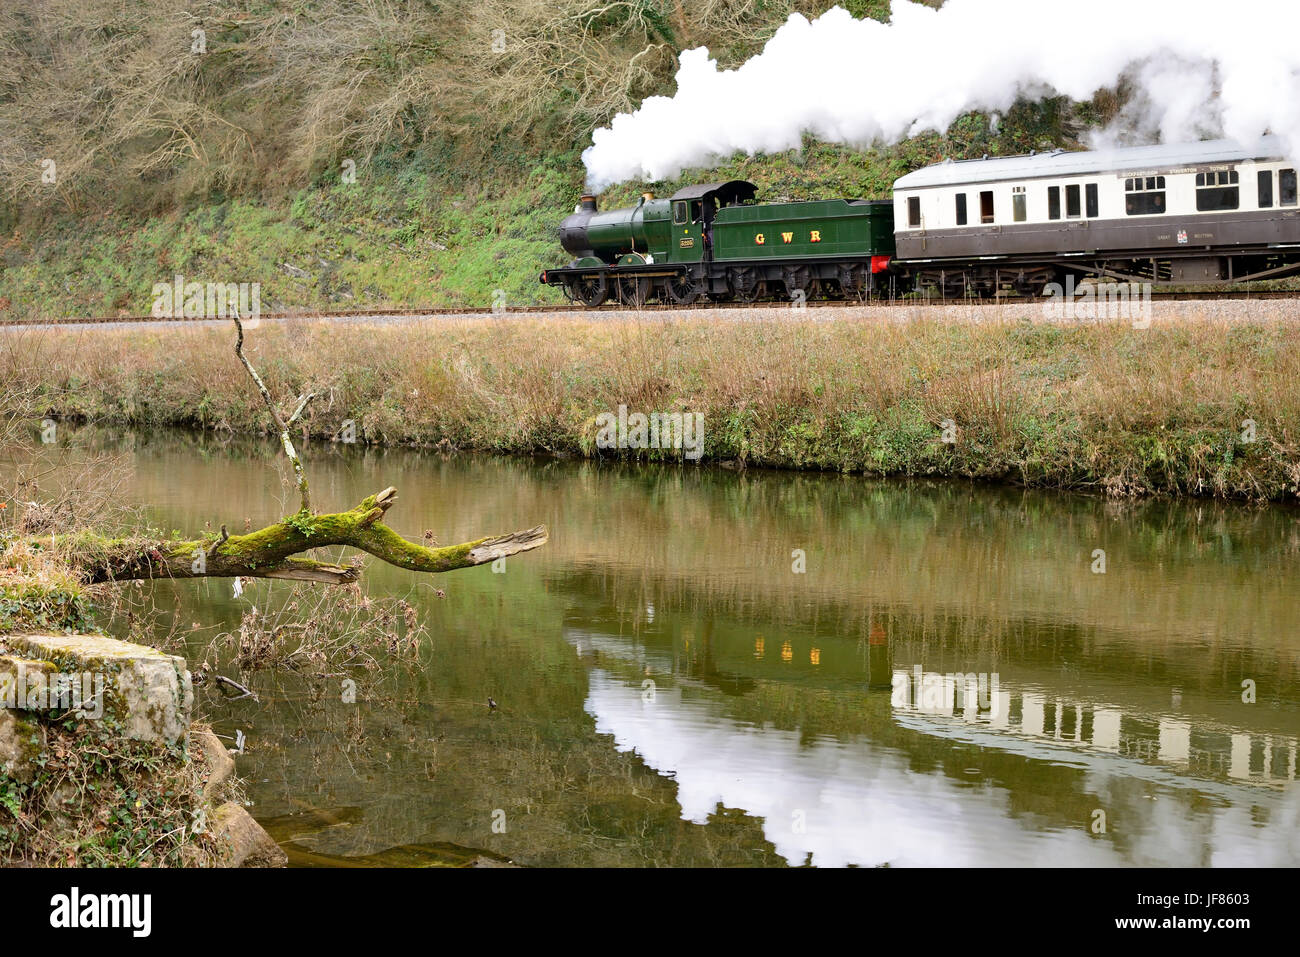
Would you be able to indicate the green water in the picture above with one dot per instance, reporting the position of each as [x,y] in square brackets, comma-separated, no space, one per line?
[672,690]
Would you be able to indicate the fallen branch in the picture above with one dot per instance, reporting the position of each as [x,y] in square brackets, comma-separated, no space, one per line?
[270,552]
[225,682]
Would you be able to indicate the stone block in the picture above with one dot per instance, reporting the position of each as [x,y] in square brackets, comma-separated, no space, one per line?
[148,693]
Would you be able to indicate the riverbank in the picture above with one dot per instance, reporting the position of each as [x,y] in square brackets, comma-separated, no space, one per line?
[1201,402]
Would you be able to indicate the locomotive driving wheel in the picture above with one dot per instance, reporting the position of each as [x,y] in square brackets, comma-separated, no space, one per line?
[799,280]
[590,290]
[633,291]
[854,282]
[684,289]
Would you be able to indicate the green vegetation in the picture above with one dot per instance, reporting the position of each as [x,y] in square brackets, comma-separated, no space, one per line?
[229,165]
[97,800]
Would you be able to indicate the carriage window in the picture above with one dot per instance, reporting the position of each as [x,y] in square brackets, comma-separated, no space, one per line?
[1265,179]
[1053,202]
[986,206]
[679,213]
[1019,204]
[961,209]
[1217,191]
[914,211]
[1091,204]
[1286,188]
[1144,197]
[1072,208]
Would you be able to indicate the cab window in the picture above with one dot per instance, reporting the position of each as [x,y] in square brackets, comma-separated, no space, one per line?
[679,213]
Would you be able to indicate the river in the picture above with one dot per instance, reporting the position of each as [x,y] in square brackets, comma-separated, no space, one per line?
[707,667]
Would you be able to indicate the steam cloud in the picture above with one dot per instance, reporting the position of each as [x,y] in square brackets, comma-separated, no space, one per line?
[1199,68]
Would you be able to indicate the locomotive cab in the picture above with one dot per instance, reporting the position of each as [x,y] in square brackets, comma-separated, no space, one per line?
[694,208]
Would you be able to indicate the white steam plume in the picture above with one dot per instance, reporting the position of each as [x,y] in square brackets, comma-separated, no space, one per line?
[1200,68]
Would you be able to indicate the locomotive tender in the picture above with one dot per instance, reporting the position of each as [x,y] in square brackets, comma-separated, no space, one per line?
[1204,212]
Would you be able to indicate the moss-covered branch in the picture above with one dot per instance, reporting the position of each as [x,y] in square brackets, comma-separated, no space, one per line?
[270,552]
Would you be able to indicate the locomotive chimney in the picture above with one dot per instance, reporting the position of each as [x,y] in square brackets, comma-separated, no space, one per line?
[588,204]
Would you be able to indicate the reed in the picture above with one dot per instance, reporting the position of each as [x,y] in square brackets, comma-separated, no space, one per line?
[1204,402]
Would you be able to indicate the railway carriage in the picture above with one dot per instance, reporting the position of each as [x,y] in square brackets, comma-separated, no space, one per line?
[1205,212]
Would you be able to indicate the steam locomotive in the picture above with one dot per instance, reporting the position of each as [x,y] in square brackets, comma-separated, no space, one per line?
[1211,212]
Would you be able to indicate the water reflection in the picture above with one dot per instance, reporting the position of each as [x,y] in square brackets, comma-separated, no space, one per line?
[861,801]
[945,682]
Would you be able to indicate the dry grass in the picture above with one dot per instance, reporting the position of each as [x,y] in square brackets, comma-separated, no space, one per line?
[1099,405]
[130,101]
[313,631]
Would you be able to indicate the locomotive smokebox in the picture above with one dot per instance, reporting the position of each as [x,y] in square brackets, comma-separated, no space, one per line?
[573,231]
[611,234]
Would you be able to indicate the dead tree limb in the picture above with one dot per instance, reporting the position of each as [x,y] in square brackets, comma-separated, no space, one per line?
[280,424]
[270,552]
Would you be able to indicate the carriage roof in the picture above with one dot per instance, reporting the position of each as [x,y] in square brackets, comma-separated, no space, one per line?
[1091,162]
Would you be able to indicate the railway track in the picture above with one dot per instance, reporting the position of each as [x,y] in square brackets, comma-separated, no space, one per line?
[1193,296]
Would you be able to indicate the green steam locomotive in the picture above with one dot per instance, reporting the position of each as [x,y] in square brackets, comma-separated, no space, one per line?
[714,240]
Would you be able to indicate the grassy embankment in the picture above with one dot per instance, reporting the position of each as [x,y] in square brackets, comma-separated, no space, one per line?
[408,233]
[1097,406]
